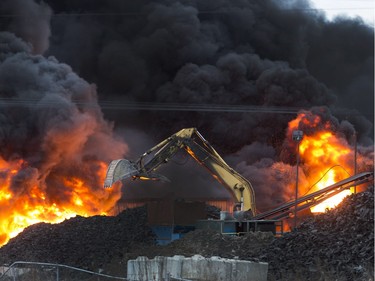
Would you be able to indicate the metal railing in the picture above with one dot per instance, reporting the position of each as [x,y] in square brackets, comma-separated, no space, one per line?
[40,271]
[168,277]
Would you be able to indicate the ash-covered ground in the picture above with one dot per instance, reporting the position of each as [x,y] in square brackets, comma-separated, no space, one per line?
[337,245]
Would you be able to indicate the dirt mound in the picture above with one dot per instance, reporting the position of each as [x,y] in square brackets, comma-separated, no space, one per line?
[88,243]
[336,245]
[210,243]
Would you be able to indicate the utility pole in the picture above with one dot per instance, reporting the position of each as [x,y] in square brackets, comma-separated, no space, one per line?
[355,159]
[297,136]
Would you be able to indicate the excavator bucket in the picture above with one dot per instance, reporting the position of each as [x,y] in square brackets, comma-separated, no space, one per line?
[120,169]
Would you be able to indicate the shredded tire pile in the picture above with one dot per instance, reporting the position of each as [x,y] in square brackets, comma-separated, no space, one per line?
[337,245]
[87,243]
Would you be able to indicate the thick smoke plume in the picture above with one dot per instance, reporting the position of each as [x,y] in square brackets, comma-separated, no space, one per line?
[264,60]
[54,141]
[49,115]
[256,53]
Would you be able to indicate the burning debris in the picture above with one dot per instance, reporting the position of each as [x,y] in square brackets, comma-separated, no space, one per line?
[88,243]
[266,69]
[54,140]
[336,245]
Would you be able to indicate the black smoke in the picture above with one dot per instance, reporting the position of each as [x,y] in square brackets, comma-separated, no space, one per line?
[262,53]
[251,56]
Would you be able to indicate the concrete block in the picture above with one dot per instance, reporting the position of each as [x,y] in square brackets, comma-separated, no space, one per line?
[196,268]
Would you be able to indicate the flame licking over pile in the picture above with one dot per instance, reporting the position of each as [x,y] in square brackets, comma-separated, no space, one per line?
[54,142]
[324,152]
[34,204]
[326,157]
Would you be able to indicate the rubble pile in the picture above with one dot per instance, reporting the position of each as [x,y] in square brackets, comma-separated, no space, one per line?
[88,243]
[209,243]
[337,245]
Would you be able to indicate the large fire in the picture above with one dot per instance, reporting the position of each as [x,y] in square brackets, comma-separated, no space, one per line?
[34,203]
[326,158]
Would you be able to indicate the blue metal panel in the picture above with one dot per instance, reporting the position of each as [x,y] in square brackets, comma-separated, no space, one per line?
[167,233]
[163,233]
[228,227]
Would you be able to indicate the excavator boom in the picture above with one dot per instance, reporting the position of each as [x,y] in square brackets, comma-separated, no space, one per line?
[200,150]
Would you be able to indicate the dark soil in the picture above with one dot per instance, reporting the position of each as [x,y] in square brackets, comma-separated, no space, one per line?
[337,245]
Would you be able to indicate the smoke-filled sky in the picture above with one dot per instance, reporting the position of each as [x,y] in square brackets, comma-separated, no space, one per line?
[109,79]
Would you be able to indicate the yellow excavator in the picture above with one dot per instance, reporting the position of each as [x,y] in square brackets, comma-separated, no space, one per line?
[190,140]
[200,150]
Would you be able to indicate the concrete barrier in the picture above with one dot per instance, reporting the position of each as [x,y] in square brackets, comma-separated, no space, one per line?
[12,272]
[195,268]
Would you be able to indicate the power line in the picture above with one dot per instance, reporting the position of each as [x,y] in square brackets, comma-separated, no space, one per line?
[201,107]
[114,105]
[199,12]
[178,107]
[326,172]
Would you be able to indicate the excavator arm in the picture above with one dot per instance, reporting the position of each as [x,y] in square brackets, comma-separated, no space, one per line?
[200,150]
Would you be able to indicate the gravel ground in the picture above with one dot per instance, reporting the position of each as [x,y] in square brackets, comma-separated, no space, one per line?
[337,245]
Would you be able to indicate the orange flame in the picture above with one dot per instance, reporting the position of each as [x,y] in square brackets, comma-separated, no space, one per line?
[326,158]
[33,204]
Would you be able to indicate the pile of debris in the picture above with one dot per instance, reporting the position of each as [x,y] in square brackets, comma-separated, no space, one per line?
[210,243]
[336,245]
[88,243]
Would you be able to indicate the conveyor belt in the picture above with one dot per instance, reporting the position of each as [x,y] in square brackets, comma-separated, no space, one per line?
[315,198]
